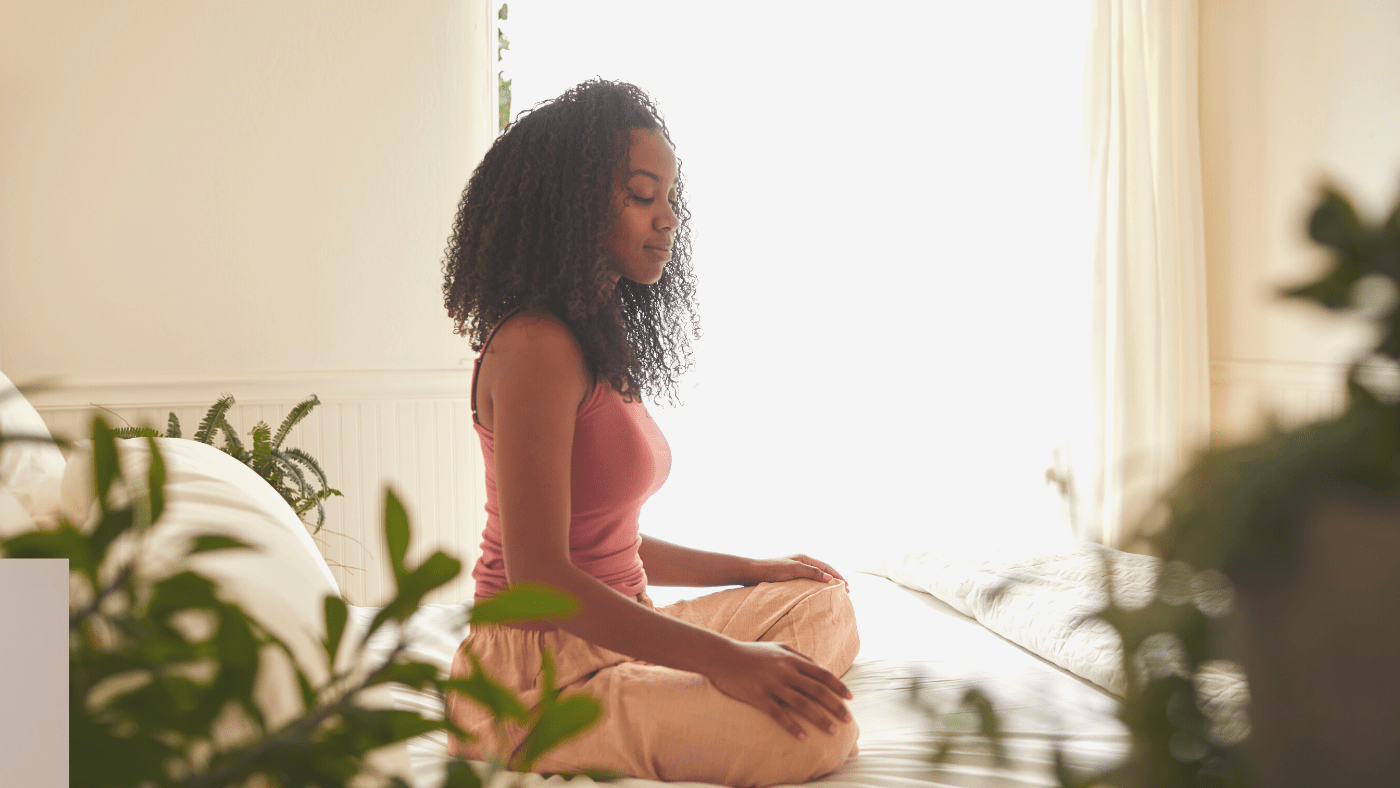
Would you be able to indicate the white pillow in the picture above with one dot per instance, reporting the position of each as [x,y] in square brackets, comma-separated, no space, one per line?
[282,584]
[29,471]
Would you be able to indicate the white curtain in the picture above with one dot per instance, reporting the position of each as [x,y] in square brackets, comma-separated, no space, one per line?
[1149,363]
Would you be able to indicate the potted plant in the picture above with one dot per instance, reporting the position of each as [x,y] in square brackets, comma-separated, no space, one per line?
[1305,524]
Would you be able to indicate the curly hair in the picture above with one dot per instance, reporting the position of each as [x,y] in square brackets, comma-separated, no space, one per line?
[531,231]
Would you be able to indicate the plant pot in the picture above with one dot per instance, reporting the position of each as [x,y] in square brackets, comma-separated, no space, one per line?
[1320,642]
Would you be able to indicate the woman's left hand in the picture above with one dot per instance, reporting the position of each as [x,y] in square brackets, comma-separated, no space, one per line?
[793,567]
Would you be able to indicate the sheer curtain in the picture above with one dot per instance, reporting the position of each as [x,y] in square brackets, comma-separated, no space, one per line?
[892,250]
[1150,363]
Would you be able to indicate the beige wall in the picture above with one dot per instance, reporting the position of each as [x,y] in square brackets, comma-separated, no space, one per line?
[200,196]
[193,187]
[1292,92]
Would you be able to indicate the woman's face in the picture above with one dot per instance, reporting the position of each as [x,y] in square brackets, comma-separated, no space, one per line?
[643,216]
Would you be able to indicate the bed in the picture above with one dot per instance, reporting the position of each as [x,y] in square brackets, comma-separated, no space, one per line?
[1015,623]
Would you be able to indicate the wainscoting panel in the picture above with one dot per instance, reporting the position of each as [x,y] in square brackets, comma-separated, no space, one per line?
[409,431]
[1246,395]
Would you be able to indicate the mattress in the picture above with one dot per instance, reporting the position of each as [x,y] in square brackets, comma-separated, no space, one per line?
[911,642]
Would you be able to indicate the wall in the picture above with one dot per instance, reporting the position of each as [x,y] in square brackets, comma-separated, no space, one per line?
[201,197]
[1292,92]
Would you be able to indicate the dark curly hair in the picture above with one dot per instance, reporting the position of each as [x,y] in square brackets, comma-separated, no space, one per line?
[531,231]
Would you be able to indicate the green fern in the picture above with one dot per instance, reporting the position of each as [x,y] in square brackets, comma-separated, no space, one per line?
[136,432]
[294,474]
[294,416]
[261,461]
[309,463]
[212,419]
[232,445]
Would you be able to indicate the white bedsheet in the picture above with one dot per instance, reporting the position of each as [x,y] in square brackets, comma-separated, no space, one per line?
[906,637]
[1042,599]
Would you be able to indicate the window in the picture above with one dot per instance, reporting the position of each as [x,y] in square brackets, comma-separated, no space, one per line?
[889,241]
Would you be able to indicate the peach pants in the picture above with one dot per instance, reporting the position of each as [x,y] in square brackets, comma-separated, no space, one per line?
[665,724]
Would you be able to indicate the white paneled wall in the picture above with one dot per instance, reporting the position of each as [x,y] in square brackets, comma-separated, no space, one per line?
[412,431]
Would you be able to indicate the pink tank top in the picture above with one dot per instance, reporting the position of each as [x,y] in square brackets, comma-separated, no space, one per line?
[619,459]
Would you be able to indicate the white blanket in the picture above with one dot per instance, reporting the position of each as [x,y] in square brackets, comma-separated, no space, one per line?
[1043,600]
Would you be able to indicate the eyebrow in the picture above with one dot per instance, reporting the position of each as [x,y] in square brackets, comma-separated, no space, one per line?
[647,173]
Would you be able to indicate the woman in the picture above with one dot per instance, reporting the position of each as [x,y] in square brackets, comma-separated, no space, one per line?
[569,269]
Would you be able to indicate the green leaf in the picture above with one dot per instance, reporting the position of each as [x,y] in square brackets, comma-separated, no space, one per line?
[524,602]
[481,688]
[262,449]
[135,432]
[1334,222]
[432,573]
[112,525]
[172,426]
[460,774]
[297,413]
[105,466]
[336,615]
[561,721]
[395,533]
[409,674]
[209,542]
[62,542]
[232,445]
[182,591]
[213,420]
[155,482]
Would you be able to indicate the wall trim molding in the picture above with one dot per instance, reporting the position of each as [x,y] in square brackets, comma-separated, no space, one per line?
[249,388]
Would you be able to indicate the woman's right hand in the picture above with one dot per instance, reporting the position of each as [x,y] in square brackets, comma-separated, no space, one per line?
[783,684]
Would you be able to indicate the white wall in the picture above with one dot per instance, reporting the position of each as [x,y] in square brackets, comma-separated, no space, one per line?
[252,197]
[1292,92]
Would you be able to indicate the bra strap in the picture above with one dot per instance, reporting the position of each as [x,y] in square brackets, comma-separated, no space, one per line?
[476,368]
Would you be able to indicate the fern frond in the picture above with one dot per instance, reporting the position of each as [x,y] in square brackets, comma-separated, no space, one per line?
[294,416]
[135,432]
[172,427]
[310,462]
[217,411]
[308,496]
[261,461]
[232,444]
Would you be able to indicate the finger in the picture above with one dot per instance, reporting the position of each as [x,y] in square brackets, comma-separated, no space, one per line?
[825,677]
[827,571]
[808,709]
[778,711]
[821,693]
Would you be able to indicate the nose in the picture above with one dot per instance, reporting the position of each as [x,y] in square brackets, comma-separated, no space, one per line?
[667,218]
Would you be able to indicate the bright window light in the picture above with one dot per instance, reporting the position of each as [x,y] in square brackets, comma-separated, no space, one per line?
[888,225]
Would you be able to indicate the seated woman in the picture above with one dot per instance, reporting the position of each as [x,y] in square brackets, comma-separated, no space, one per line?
[558,272]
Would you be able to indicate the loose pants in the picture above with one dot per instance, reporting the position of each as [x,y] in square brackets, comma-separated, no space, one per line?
[666,724]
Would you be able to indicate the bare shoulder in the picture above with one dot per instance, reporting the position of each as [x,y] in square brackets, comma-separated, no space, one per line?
[533,338]
[533,360]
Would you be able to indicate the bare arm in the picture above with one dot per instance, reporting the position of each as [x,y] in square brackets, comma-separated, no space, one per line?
[539,381]
[673,565]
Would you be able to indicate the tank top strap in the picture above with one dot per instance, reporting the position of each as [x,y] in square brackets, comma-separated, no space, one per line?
[476,364]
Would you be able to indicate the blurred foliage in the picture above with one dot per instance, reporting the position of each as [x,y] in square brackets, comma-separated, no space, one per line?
[972,719]
[287,470]
[1237,509]
[158,664]
[502,84]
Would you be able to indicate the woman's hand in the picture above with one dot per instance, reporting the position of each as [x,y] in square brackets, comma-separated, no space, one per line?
[794,567]
[782,683]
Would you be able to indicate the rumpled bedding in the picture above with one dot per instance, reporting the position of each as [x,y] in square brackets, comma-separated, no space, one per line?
[1042,599]
[910,642]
